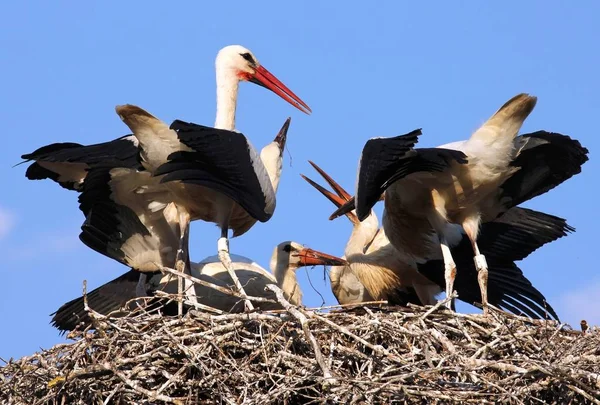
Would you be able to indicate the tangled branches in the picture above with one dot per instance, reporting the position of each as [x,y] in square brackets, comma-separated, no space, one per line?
[358,355]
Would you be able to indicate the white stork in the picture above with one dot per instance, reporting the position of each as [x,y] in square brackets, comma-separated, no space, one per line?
[503,170]
[69,163]
[378,271]
[286,259]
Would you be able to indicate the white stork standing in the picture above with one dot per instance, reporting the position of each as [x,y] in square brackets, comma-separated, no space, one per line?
[69,163]
[503,170]
[376,270]
[286,259]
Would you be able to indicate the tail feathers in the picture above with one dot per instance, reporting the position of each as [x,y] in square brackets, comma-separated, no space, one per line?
[105,299]
[507,286]
[546,160]
[520,232]
[507,121]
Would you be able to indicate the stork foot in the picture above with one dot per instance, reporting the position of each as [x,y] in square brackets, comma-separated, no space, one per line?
[482,278]
[223,251]
[450,276]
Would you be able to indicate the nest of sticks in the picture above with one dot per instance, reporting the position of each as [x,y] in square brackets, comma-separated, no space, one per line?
[362,354]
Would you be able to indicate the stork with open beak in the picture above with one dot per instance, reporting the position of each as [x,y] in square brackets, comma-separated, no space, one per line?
[382,271]
[503,170]
[286,259]
[507,239]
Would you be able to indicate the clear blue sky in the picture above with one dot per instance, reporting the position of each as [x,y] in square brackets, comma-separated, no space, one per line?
[366,69]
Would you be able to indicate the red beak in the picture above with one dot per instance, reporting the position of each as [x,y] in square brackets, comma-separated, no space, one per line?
[264,78]
[309,257]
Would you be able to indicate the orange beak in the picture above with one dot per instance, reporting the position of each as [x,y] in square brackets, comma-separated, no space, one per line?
[309,257]
[338,200]
[266,79]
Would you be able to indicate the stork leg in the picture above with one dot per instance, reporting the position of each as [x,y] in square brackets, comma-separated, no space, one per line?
[223,252]
[449,271]
[140,288]
[471,227]
[181,259]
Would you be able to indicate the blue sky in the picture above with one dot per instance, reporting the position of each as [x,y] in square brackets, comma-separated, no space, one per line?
[365,69]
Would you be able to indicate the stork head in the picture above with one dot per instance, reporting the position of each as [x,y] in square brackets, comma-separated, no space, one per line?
[239,62]
[293,255]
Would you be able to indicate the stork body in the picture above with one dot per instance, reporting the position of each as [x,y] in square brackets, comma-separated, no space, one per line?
[377,270]
[286,259]
[154,142]
[502,171]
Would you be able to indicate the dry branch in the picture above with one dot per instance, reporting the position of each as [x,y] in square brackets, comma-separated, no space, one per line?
[360,355]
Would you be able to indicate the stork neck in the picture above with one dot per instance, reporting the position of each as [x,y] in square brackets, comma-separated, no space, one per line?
[273,161]
[227,92]
[288,282]
[362,234]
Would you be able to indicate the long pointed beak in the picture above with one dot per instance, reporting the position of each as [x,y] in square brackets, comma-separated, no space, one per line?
[344,209]
[264,78]
[334,185]
[281,137]
[309,257]
[336,200]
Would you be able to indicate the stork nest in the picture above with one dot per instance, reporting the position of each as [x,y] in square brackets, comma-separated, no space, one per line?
[367,354]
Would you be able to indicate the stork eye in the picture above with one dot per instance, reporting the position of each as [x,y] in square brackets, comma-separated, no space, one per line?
[248,57]
[287,248]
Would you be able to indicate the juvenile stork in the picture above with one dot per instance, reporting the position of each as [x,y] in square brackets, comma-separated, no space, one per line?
[378,271]
[286,259]
[503,170]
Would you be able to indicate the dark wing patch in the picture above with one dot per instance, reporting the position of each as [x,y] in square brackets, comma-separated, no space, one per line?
[108,226]
[546,160]
[387,160]
[520,232]
[378,162]
[221,161]
[37,172]
[121,152]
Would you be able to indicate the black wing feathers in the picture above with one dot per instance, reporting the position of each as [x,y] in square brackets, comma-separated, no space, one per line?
[220,161]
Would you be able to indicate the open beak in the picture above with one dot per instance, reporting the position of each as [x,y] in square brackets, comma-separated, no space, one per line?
[343,210]
[334,185]
[264,78]
[347,207]
[282,135]
[338,200]
[309,257]
[335,199]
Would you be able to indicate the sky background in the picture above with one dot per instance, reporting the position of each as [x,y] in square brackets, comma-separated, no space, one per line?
[365,68]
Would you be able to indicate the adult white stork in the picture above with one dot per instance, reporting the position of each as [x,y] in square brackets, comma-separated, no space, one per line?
[375,266]
[503,170]
[69,163]
[286,259]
